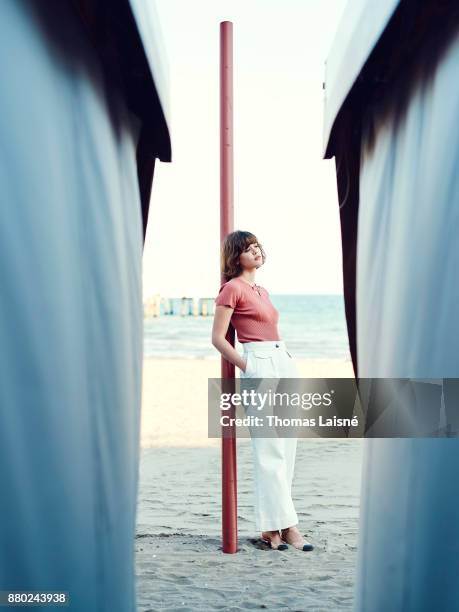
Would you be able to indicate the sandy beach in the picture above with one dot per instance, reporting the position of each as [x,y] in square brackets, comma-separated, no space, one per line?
[179,562]
[174,404]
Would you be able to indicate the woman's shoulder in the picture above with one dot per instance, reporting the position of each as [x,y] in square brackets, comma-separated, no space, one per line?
[236,281]
[235,286]
[232,282]
[230,293]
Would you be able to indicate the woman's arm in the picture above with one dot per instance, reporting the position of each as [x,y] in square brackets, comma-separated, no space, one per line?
[222,319]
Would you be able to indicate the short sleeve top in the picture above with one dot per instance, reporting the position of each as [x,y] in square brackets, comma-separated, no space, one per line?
[254,317]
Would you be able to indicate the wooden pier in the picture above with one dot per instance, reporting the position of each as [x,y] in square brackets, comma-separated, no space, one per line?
[156,306]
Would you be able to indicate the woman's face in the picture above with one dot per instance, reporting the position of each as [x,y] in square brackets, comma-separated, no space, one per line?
[251,257]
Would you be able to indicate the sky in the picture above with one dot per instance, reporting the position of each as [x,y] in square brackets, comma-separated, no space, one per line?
[284,192]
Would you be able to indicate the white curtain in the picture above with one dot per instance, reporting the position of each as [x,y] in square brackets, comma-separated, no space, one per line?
[70,315]
[408,326]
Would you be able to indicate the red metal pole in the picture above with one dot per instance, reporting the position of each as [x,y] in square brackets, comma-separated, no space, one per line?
[229,472]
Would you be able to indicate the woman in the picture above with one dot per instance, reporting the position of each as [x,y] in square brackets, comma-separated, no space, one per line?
[248,307]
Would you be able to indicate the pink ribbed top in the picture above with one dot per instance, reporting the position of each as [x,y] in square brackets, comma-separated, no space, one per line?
[254,317]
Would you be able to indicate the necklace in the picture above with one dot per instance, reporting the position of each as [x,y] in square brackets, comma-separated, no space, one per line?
[255,287]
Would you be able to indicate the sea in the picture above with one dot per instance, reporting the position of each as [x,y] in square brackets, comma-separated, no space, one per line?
[312,326]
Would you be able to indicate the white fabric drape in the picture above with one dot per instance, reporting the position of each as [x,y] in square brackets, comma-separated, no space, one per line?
[70,316]
[408,326]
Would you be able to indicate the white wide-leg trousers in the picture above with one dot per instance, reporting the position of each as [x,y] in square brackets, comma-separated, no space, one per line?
[274,457]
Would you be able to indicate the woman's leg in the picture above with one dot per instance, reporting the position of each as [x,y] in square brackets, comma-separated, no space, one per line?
[274,456]
[274,507]
[287,368]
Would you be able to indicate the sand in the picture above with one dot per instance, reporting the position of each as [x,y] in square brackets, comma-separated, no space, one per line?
[174,404]
[179,562]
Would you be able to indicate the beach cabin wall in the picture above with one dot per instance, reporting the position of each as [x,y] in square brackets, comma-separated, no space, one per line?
[391,108]
[83,116]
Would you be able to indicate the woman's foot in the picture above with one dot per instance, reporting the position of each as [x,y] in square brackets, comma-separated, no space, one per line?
[292,536]
[274,540]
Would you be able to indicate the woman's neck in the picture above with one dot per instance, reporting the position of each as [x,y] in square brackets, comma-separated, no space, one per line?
[248,278]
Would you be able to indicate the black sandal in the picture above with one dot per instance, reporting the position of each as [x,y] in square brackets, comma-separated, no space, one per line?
[306,547]
[280,547]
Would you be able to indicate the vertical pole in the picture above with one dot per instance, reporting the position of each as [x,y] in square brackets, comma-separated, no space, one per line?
[229,474]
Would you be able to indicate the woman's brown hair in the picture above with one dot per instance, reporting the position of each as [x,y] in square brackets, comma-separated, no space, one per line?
[233,245]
